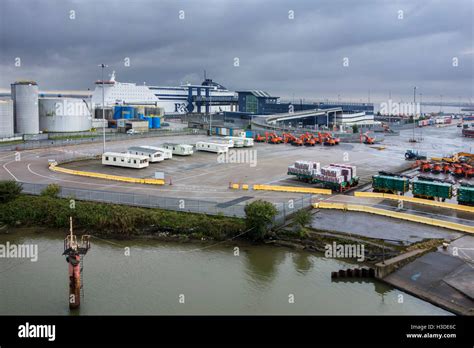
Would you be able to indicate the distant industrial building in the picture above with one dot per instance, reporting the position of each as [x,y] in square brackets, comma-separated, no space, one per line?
[137,125]
[206,105]
[356,118]
[325,113]
[257,102]
[34,112]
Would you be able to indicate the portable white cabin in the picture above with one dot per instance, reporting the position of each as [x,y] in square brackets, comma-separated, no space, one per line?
[238,142]
[211,147]
[125,160]
[225,140]
[167,154]
[248,142]
[179,149]
[245,142]
[153,155]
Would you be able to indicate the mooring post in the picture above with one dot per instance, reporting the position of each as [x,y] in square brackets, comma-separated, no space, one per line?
[74,252]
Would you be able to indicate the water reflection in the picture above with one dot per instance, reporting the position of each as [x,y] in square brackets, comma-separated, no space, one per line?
[213,279]
[262,263]
[303,262]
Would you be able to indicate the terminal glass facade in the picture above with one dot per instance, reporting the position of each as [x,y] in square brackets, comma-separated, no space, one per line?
[251,104]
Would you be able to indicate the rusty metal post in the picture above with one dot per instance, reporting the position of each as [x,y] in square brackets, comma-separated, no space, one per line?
[74,252]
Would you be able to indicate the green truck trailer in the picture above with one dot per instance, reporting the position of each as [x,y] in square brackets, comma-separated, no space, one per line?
[465,194]
[390,184]
[432,190]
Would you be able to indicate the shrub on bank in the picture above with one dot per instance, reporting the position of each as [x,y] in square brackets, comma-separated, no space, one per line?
[9,190]
[302,219]
[258,216]
[52,190]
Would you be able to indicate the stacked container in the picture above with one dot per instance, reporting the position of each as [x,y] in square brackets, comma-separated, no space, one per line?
[127,112]
[307,168]
[334,176]
[349,172]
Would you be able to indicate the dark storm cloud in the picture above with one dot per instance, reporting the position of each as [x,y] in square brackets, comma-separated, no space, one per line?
[301,56]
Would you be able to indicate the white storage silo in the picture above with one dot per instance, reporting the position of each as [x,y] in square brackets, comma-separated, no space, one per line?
[6,118]
[64,115]
[25,107]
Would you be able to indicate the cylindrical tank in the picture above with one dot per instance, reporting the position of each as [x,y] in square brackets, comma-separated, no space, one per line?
[140,112]
[150,122]
[117,112]
[6,118]
[64,115]
[155,122]
[25,107]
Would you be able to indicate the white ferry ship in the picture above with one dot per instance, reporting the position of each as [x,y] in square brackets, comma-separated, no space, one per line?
[174,100]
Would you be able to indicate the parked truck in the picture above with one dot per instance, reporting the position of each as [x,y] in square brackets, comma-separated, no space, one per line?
[411,155]
[337,177]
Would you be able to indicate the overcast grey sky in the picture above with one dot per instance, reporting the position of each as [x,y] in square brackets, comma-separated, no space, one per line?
[301,56]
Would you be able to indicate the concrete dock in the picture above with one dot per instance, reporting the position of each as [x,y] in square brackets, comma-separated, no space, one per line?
[443,277]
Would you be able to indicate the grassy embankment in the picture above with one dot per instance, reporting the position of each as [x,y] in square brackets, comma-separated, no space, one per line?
[119,221]
[115,221]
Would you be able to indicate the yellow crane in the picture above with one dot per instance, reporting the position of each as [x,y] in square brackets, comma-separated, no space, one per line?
[455,158]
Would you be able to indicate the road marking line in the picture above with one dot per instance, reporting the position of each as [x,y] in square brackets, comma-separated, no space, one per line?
[9,172]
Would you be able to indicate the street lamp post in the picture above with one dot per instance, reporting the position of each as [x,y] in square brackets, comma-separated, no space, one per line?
[421,114]
[421,102]
[103,66]
[414,111]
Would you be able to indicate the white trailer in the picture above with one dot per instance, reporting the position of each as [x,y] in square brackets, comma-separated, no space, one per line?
[211,147]
[125,160]
[225,140]
[167,154]
[242,141]
[238,142]
[248,142]
[179,149]
[153,155]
